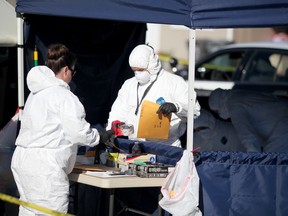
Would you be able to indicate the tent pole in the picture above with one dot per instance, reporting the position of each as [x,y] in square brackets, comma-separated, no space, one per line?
[20,62]
[191,79]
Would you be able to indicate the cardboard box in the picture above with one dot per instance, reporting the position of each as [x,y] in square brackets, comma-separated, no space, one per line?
[125,159]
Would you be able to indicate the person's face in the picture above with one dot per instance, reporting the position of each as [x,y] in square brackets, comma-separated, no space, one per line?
[142,75]
[137,69]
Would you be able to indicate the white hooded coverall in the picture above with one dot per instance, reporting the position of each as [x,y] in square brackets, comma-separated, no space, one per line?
[171,87]
[52,125]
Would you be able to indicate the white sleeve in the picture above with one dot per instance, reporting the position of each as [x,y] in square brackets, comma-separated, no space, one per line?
[75,127]
[119,109]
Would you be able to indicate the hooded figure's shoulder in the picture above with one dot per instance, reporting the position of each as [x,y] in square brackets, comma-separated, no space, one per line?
[42,77]
[170,77]
[130,82]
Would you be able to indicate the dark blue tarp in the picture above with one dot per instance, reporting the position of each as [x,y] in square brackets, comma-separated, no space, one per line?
[234,183]
[237,184]
[191,13]
[165,153]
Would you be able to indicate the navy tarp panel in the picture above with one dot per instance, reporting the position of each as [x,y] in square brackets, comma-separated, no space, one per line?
[244,183]
[243,13]
[165,153]
[168,11]
[191,13]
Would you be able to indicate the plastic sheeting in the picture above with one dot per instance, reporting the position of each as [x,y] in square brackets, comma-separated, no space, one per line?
[243,183]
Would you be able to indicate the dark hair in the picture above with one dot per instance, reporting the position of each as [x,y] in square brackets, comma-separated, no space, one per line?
[58,56]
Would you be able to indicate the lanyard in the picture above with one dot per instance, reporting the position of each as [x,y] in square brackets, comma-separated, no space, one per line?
[145,93]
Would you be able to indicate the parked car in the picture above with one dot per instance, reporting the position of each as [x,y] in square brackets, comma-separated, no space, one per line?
[258,66]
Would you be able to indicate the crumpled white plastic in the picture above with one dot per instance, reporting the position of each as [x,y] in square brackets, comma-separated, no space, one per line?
[180,189]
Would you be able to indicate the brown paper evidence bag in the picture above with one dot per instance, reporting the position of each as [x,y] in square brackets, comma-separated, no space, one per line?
[151,125]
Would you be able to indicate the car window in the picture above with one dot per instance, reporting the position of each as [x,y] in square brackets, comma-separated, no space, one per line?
[267,66]
[221,67]
[280,62]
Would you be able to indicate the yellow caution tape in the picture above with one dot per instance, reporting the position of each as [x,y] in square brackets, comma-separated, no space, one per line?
[220,67]
[14,200]
[166,58]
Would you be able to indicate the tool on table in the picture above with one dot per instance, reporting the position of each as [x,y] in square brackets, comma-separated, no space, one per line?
[122,129]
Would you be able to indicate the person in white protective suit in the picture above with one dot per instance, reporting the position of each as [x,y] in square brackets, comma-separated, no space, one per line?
[260,120]
[213,134]
[52,125]
[152,82]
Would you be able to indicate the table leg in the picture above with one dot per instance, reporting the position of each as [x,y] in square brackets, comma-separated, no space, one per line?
[75,198]
[99,201]
[159,207]
[111,202]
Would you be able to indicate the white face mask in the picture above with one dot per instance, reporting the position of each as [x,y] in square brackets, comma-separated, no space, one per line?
[142,77]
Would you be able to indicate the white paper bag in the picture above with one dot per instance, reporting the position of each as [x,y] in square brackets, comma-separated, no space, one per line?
[181,188]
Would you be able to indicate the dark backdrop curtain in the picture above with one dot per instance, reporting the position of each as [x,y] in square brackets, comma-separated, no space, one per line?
[102,48]
[237,183]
